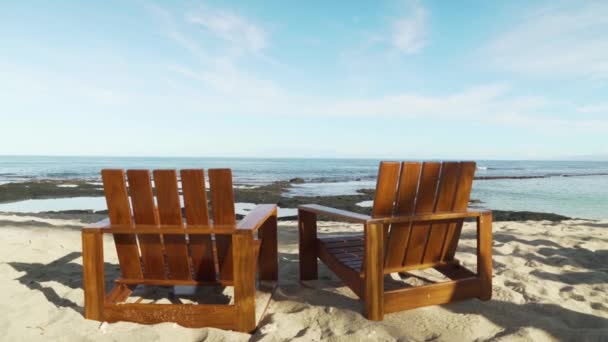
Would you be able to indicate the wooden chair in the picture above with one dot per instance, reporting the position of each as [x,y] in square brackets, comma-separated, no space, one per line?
[156,248]
[416,220]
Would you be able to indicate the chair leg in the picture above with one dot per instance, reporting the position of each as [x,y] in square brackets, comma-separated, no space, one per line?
[269,262]
[374,272]
[93,275]
[484,255]
[244,280]
[308,245]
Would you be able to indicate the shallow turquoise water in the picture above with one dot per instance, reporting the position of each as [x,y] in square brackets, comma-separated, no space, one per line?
[581,196]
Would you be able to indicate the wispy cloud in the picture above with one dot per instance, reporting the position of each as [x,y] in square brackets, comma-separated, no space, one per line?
[593,108]
[231,27]
[562,40]
[212,86]
[410,32]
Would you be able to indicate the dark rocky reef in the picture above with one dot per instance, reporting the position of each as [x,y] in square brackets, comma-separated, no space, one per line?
[502,215]
[271,193]
[44,189]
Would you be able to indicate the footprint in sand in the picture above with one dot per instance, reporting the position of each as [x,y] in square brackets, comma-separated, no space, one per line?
[515,286]
[568,292]
[520,288]
[599,307]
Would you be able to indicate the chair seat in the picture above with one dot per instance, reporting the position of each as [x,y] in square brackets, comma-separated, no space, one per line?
[348,250]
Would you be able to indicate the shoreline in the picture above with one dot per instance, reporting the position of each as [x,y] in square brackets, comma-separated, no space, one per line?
[277,192]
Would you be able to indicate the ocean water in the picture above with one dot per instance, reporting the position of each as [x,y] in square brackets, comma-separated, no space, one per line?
[572,188]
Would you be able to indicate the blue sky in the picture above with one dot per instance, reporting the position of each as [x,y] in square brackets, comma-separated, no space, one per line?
[403,79]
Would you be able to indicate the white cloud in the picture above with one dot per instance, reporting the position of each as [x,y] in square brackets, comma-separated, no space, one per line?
[410,32]
[594,108]
[564,40]
[230,27]
[220,86]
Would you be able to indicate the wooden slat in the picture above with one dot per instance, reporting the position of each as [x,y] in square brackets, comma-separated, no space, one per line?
[386,188]
[197,213]
[93,275]
[432,217]
[257,217]
[154,229]
[433,294]
[461,202]
[484,255]
[173,282]
[374,275]
[170,213]
[425,203]
[307,244]
[400,232]
[334,213]
[144,212]
[119,212]
[348,275]
[268,255]
[187,315]
[222,204]
[244,280]
[450,176]
[119,293]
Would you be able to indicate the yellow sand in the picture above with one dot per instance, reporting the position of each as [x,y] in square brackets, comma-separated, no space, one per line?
[550,283]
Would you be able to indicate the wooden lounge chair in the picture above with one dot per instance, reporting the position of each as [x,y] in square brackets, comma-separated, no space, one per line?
[174,253]
[416,220]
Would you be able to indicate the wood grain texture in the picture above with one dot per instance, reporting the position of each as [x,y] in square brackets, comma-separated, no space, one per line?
[163,233]
[348,275]
[197,213]
[222,205]
[269,255]
[448,184]
[484,255]
[374,274]
[186,315]
[433,294]
[386,188]
[432,217]
[153,229]
[144,212]
[405,204]
[93,275]
[244,280]
[173,282]
[307,244]
[256,218]
[170,213]
[119,212]
[461,202]
[424,204]
[333,213]
[430,199]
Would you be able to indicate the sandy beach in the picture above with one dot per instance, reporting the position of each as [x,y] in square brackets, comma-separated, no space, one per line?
[550,283]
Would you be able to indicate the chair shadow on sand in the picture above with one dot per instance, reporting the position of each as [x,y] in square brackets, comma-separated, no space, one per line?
[555,255]
[550,318]
[64,271]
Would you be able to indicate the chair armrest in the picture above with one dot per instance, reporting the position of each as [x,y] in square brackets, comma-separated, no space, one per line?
[256,218]
[431,217]
[336,213]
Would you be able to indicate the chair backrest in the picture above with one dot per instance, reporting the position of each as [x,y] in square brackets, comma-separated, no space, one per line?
[410,188]
[198,257]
